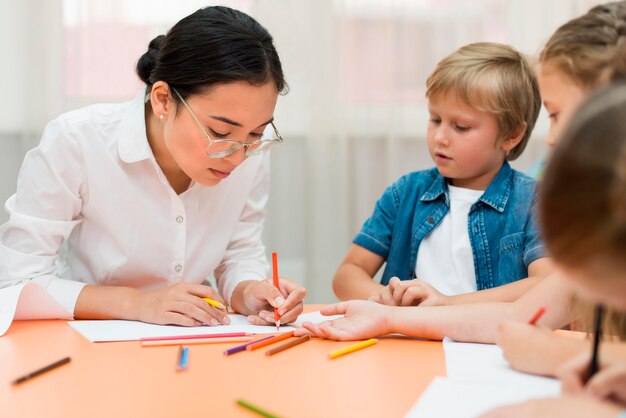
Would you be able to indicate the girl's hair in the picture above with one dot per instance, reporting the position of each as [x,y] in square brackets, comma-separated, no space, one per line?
[583,194]
[213,45]
[590,49]
[493,78]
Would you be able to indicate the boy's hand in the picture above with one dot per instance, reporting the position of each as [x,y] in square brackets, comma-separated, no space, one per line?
[258,298]
[409,293]
[361,320]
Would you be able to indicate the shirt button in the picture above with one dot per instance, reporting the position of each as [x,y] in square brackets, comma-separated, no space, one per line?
[178,268]
[179,219]
[431,219]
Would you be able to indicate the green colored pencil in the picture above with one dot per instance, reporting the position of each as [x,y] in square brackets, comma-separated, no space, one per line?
[256,409]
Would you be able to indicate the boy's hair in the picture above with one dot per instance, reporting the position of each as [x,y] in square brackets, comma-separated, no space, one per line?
[590,49]
[493,78]
[583,194]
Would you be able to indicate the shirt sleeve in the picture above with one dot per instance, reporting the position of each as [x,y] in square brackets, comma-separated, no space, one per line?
[245,256]
[42,213]
[376,233]
[533,245]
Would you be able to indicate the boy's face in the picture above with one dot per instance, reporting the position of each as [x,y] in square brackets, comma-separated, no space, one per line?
[463,142]
[561,97]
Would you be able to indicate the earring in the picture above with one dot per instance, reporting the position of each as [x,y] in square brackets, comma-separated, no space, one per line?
[161,117]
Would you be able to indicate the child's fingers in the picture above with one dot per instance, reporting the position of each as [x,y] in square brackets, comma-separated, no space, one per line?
[292,314]
[386,297]
[606,383]
[413,296]
[335,309]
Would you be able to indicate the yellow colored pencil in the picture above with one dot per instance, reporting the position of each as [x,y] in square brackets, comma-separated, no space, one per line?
[214,303]
[352,348]
[223,340]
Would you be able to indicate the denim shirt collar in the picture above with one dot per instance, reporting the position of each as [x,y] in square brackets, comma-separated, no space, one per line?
[496,195]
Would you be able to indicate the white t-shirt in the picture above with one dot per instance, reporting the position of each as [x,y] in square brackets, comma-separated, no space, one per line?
[93,206]
[444,257]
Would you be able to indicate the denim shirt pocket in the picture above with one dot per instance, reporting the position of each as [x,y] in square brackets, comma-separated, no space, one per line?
[511,263]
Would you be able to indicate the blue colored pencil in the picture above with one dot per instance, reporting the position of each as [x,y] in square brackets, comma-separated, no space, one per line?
[183,358]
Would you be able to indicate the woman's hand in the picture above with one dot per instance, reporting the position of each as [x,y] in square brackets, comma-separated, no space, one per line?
[362,320]
[258,298]
[180,304]
[409,293]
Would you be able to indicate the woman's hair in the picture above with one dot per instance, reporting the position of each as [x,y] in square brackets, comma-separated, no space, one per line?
[590,49]
[493,78]
[583,194]
[213,45]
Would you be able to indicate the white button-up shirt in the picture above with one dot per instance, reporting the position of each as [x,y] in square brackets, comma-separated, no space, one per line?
[93,207]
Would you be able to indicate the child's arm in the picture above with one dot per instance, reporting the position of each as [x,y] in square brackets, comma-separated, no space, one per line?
[537,270]
[354,277]
[476,322]
[418,292]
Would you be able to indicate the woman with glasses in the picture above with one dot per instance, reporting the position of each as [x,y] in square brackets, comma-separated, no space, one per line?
[125,210]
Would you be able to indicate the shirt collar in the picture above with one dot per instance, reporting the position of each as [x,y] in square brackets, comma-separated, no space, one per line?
[133,143]
[496,195]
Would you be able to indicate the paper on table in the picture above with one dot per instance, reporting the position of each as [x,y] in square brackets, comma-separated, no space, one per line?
[456,397]
[472,360]
[28,301]
[479,379]
[101,331]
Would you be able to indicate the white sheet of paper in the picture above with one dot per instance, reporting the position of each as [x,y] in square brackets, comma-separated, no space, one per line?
[455,397]
[101,331]
[28,301]
[472,360]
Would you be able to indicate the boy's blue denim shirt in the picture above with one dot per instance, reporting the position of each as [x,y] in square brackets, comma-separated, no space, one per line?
[502,226]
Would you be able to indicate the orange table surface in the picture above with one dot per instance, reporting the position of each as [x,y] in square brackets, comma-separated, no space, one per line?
[123,379]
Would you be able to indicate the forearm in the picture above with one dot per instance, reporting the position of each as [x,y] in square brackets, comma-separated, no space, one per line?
[471,323]
[107,302]
[507,293]
[352,282]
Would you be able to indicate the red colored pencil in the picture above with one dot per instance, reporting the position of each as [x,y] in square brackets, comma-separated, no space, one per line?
[537,315]
[275,278]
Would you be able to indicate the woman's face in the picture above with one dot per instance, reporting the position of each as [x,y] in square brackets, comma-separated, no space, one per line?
[237,111]
[561,97]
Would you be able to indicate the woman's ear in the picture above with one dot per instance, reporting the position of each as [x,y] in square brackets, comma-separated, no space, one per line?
[160,100]
[514,138]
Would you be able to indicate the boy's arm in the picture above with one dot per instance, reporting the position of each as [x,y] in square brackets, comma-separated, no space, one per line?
[354,277]
[537,270]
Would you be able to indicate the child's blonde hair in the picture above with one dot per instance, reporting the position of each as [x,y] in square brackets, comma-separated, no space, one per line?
[493,78]
[590,49]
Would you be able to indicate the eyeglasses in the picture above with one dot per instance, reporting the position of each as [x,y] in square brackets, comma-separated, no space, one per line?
[219,148]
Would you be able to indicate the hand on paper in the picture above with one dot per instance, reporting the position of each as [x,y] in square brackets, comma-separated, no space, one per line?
[534,349]
[180,304]
[362,320]
[609,383]
[567,406]
[409,293]
[257,299]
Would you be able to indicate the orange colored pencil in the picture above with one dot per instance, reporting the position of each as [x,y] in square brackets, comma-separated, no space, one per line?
[265,343]
[276,285]
[290,344]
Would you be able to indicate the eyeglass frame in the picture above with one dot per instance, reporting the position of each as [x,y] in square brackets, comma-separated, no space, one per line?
[235,143]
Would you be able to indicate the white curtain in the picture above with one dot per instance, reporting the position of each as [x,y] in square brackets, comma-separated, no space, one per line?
[353,121]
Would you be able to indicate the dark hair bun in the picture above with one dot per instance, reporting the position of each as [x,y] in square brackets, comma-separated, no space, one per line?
[147,61]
